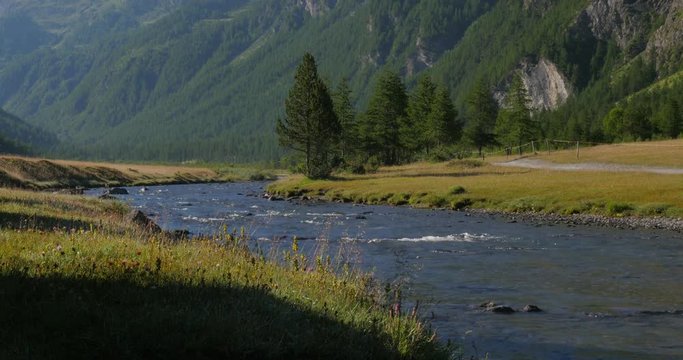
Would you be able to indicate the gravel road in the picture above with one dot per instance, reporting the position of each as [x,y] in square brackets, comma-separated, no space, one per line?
[541,164]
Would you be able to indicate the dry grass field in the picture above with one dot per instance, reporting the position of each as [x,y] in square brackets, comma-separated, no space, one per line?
[659,153]
[34,173]
[471,183]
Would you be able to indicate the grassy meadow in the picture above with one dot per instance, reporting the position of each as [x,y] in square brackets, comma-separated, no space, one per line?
[79,280]
[657,153]
[459,184]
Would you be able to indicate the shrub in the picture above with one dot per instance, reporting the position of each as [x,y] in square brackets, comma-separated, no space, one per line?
[456,190]
[459,204]
[616,208]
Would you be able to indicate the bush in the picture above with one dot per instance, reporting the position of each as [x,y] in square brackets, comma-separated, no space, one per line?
[616,208]
[460,204]
[456,190]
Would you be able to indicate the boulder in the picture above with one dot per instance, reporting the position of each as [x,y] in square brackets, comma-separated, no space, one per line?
[531,309]
[501,309]
[139,218]
[490,306]
[118,191]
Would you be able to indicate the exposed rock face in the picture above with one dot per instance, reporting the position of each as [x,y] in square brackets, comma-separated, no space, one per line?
[422,59]
[547,87]
[316,8]
[616,19]
[629,22]
[536,4]
[666,44]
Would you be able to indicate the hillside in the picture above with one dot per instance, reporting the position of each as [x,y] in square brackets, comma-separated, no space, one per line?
[18,137]
[180,80]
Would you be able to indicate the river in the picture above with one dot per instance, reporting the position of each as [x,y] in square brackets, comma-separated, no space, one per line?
[606,293]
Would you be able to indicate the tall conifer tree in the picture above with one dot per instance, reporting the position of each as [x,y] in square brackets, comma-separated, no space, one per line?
[482,111]
[418,136]
[380,132]
[346,114]
[514,125]
[310,125]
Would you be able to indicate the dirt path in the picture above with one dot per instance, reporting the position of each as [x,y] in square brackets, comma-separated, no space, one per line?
[541,164]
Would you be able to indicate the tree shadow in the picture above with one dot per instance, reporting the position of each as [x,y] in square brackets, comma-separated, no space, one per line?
[40,222]
[421,175]
[59,317]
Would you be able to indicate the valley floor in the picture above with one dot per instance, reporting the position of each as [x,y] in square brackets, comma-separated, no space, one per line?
[589,194]
[40,174]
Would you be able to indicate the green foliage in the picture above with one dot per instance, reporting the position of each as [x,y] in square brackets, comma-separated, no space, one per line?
[185,80]
[346,113]
[456,190]
[19,137]
[651,113]
[482,112]
[617,208]
[380,126]
[310,125]
[417,133]
[514,125]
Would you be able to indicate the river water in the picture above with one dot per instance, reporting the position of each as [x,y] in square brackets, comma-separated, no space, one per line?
[606,293]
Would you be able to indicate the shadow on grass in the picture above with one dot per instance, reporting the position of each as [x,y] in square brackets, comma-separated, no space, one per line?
[40,222]
[115,319]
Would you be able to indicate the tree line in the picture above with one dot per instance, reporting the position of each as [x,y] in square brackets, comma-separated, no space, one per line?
[397,127]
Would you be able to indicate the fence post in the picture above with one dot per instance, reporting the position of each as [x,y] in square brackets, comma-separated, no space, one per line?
[533,147]
[547,145]
[577,150]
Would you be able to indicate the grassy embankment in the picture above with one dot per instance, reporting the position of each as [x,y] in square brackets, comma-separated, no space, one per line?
[476,184]
[80,280]
[38,174]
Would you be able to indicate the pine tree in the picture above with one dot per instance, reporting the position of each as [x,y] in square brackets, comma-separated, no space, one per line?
[444,128]
[514,125]
[346,114]
[381,123]
[482,111]
[668,119]
[416,132]
[310,125]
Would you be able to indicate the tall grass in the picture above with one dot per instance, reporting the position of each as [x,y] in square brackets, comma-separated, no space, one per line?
[117,292]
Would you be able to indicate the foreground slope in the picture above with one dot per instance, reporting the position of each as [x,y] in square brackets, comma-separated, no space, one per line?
[80,280]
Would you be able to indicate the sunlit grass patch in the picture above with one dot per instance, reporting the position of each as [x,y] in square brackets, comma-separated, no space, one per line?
[652,153]
[506,189]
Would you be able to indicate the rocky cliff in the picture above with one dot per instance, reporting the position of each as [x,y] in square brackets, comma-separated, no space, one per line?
[654,27]
[547,87]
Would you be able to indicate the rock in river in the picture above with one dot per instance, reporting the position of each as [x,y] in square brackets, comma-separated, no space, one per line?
[118,191]
[531,309]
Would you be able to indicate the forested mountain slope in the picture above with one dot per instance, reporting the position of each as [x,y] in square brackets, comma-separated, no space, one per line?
[18,137]
[180,80]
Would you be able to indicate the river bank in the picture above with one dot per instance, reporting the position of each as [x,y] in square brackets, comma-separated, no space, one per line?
[628,198]
[46,174]
[598,286]
[81,278]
